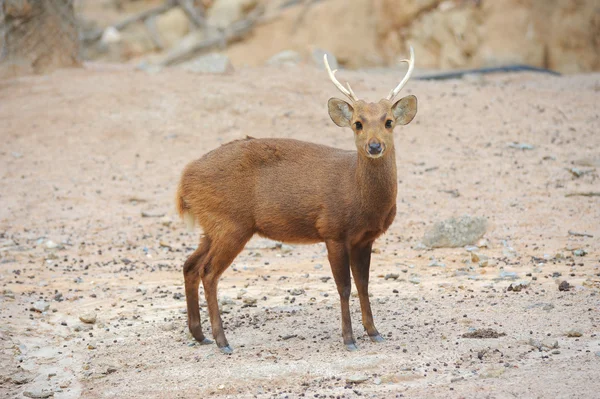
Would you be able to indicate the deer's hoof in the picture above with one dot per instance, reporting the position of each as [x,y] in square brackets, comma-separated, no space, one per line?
[376,338]
[205,341]
[351,347]
[226,350]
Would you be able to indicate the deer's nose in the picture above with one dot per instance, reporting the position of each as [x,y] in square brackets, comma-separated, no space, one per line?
[375,148]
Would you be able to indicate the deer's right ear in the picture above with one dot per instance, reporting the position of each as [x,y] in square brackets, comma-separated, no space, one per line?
[340,112]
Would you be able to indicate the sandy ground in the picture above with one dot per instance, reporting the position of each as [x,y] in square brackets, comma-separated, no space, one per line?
[85,152]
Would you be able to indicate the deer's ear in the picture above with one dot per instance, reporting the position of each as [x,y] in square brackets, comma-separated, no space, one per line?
[340,112]
[405,110]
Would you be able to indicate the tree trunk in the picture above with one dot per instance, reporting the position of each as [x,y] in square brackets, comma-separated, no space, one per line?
[37,36]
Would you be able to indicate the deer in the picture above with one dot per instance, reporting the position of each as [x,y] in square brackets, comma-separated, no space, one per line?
[297,192]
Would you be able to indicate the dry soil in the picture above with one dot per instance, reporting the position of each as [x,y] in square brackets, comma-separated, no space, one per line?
[86,153]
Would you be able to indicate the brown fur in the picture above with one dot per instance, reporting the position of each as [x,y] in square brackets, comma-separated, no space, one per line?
[296,192]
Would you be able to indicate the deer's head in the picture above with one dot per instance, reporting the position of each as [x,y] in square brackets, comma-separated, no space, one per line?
[373,123]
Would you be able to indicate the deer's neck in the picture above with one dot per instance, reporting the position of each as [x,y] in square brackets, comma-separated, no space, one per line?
[377,180]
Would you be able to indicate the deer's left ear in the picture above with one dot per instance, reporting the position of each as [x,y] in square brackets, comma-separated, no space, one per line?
[405,109]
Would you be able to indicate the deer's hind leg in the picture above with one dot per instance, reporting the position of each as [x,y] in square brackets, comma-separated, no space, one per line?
[191,272]
[225,246]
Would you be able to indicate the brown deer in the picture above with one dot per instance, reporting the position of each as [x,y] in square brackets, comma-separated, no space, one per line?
[297,192]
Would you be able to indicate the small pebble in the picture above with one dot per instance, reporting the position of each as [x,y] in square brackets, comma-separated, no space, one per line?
[40,306]
[88,317]
[574,333]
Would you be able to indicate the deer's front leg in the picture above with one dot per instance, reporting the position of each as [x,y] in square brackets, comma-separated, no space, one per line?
[340,267]
[360,260]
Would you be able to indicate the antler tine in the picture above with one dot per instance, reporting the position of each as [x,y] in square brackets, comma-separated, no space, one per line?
[348,93]
[411,66]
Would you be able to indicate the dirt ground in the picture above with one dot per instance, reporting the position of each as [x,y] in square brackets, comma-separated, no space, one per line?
[86,153]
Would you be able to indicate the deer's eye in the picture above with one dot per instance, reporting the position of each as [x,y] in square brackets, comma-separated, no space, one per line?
[358,126]
[388,124]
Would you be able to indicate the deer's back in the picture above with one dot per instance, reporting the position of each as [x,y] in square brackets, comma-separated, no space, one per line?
[284,189]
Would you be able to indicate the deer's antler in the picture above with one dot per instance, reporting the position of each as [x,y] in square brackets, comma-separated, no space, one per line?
[347,92]
[411,66]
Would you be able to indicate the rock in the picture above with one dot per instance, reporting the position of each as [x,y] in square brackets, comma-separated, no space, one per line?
[223,13]
[436,263]
[296,291]
[169,326]
[357,379]
[521,146]
[508,251]
[420,247]
[286,57]
[38,393]
[393,276]
[172,26]
[580,252]
[88,317]
[517,287]
[249,301]
[317,57]
[110,36]
[225,300]
[20,378]
[40,306]
[83,328]
[550,343]
[152,214]
[564,286]
[8,294]
[455,232]
[507,276]
[52,245]
[210,63]
[483,333]
[415,280]
[91,345]
[574,333]
[535,343]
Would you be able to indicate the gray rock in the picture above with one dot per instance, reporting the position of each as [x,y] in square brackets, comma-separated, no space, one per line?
[40,306]
[21,378]
[436,263]
[580,252]
[521,146]
[507,276]
[83,327]
[550,343]
[286,57]
[209,63]
[415,280]
[455,232]
[564,286]
[88,317]
[225,300]
[296,291]
[317,57]
[393,276]
[38,393]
